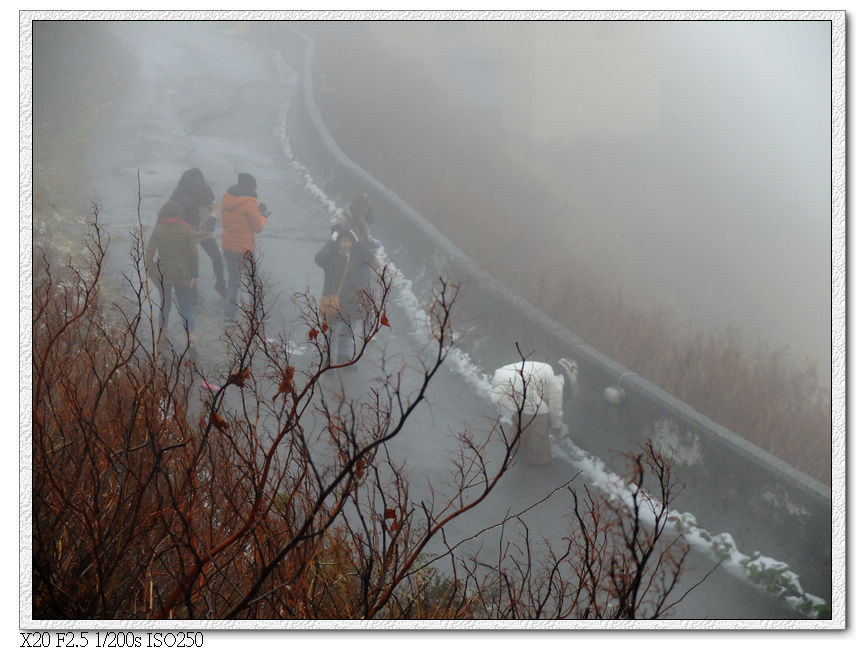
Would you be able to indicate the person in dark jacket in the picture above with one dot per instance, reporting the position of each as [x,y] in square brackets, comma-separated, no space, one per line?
[346,262]
[242,217]
[199,211]
[176,267]
[356,218]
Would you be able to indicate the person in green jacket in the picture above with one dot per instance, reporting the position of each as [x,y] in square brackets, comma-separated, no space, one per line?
[176,267]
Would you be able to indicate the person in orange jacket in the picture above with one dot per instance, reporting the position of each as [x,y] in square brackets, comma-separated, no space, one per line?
[242,217]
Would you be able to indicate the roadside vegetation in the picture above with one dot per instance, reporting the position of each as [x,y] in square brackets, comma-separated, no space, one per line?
[273,495]
[444,161]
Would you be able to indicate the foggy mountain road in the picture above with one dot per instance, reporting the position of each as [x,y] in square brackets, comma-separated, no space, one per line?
[205,96]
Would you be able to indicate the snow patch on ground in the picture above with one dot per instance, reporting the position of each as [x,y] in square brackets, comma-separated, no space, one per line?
[772,576]
[782,501]
[681,448]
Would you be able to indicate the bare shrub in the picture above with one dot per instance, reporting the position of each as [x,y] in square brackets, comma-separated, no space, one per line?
[269,497]
[618,561]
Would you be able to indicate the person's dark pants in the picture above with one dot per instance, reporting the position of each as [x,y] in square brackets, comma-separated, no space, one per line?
[234,267]
[535,448]
[342,342]
[340,332]
[212,249]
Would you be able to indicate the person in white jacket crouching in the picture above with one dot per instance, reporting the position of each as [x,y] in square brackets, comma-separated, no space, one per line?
[545,392]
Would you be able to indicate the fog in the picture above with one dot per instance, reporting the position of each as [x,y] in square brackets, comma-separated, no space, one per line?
[747,128]
[732,220]
[701,157]
[704,164]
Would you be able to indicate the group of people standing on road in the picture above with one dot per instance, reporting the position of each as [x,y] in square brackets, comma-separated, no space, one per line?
[189,219]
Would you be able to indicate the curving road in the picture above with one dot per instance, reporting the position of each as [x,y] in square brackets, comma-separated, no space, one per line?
[206,95]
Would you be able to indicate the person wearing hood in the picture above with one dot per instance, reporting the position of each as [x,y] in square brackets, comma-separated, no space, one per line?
[176,268]
[357,217]
[541,392]
[199,211]
[345,261]
[242,217]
